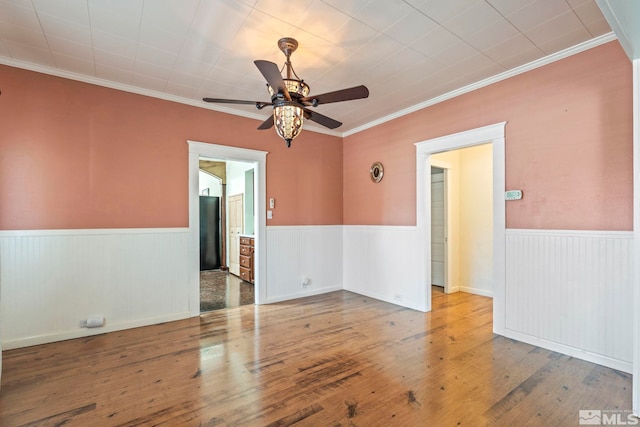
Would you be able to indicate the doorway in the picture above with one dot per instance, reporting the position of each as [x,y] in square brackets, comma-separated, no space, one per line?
[494,135]
[226,153]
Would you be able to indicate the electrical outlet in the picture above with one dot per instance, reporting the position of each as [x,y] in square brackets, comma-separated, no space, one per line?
[306,282]
[397,297]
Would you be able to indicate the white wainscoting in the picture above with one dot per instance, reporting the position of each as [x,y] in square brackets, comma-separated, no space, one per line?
[50,280]
[295,252]
[571,291]
[386,263]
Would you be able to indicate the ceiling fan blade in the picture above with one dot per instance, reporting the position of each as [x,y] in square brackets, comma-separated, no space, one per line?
[357,92]
[323,120]
[267,124]
[259,104]
[271,73]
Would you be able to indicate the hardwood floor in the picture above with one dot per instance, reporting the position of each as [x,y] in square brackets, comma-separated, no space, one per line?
[334,359]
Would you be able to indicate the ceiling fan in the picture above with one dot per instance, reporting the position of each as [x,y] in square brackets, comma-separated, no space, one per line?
[290,97]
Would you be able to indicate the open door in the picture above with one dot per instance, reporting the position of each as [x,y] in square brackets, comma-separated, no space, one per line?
[236,215]
[438,227]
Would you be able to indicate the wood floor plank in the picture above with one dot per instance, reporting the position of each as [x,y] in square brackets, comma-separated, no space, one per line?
[332,359]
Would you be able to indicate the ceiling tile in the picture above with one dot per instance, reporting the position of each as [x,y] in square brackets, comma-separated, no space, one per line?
[510,47]
[521,58]
[559,43]
[161,39]
[472,19]
[287,11]
[180,90]
[69,10]
[352,35]
[151,70]
[114,60]
[435,41]
[69,48]
[599,28]
[200,49]
[588,12]
[4,51]
[492,35]
[30,53]
[112,43]
[442,11]
[411,27]
[321,19]
[114,74]
[159,57]
[260,36]
[148,82]
[23,35]
[169,15]
[62,28]
[507,7]
[350,7]
[20,14]
[217,22]
[76,65]
[555,28]
[455,54]
[537,12]
[125,22]
[381,15]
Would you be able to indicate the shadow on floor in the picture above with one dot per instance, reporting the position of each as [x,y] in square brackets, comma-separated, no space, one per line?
[221,289]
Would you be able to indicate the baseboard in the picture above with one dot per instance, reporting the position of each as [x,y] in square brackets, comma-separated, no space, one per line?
[87,332]
[385,299]
[476,291]
[304,294]
[609,362]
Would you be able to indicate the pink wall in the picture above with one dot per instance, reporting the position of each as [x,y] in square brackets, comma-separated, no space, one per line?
[568,147]
[74,155]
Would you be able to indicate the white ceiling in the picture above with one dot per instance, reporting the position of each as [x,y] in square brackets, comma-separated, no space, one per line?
[405,51]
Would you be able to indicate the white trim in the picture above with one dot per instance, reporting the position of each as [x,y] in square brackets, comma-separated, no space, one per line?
[599,359]
[584,46]
[91,232]
[148,92]
[636,237]
[475,291]
[493,134]
[224,152]
[571,233]
[84,332]
[302,294]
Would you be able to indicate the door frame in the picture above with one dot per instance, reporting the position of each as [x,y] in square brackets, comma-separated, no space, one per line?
[223,152]
[495,135]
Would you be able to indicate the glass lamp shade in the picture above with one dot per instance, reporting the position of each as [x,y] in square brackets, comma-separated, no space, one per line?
[296,87]
[288,118]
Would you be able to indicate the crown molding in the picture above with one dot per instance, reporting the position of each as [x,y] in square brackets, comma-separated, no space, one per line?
[145,92]
[589,44]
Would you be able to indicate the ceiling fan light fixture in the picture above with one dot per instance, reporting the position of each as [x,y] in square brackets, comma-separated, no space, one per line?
[288,118]
[295,87]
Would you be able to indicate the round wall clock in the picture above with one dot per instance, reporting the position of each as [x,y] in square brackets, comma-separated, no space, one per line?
[376,171]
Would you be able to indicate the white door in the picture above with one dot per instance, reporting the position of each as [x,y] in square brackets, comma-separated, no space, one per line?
[438,227]
[236,215]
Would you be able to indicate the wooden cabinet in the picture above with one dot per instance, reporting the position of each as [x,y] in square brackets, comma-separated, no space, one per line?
[246,259]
